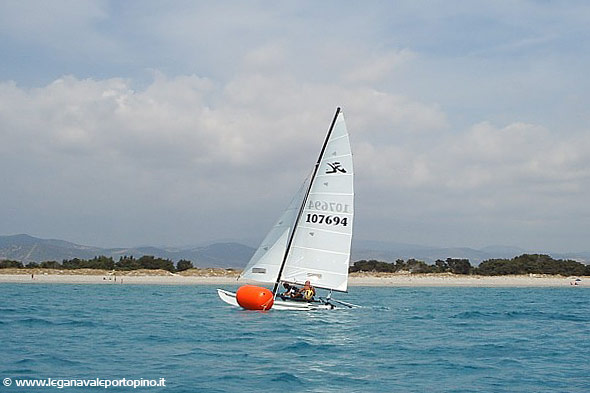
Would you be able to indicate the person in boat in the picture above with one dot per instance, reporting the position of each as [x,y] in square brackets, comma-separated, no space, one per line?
[307,292]
[290,290]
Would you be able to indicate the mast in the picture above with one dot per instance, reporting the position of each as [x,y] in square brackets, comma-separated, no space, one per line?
[315,171]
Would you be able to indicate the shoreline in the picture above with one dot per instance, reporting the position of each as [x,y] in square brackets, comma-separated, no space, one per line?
[229,277]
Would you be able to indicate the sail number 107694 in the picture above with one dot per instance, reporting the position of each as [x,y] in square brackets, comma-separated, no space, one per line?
[325,219]
[328,219]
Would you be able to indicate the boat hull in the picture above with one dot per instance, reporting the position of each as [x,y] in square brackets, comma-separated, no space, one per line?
[279,304]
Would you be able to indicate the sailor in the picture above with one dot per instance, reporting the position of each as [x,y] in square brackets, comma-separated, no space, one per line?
[307,292]
[290,290]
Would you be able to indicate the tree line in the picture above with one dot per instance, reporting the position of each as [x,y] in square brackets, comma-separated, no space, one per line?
[523,264]
[125,263]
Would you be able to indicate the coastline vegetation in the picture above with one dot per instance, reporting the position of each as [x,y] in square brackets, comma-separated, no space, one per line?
[523,264]
[125,263]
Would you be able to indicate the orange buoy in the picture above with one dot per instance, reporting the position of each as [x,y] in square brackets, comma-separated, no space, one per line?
[252,297]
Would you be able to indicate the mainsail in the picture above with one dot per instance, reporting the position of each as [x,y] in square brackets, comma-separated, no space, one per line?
[320,250]
[311,241]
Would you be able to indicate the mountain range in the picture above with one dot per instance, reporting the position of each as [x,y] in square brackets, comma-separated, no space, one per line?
[27,248]
[228,254]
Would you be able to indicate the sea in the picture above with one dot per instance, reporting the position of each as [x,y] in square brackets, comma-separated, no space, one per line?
[401,340]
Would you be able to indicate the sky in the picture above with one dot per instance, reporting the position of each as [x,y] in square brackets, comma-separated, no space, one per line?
[187,122]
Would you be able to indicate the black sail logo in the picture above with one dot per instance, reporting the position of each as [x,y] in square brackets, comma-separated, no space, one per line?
[335,167]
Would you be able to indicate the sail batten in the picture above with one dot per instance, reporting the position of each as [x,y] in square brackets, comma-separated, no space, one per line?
[332,193]
[321,250]
[324,230]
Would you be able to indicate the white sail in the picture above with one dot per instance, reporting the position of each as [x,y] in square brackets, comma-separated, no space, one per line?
[320,249]
[265,263]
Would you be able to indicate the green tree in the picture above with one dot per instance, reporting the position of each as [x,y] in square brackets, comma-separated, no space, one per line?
[416,266]
[183,264]
[459,266]
[441,266]
[74,263]
[50,265]
[5,264]
[100,262]
[531,263]
[372,266]
[400,264]
[151,262]
[127,263]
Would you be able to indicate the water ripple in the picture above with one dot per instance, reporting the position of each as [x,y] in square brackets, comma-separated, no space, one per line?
[403,339]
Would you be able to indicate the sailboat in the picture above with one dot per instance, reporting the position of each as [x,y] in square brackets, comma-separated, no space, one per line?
[311,239]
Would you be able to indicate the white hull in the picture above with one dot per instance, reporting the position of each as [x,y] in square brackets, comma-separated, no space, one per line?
[279,304]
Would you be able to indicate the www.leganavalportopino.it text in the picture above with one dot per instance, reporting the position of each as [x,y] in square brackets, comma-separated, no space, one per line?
[61,383]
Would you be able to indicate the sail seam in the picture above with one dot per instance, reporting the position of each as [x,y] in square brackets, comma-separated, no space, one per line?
[324,230]
[338,156]
[330,175]
[296,271]
[331,193]
[338,137]
[312,211]
[320,249]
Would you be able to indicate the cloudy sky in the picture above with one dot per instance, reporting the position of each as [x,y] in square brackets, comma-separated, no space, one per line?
[184,122]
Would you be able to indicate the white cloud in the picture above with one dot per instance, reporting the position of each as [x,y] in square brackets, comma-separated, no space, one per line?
[378,67]
[186,149]
[458,115]
[97,145]
[518,184]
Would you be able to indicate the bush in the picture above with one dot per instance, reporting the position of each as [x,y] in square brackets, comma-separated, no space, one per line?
[459,266]
[183,264]
[5,264]
[531,263]
[50,265]
[415,266]
[411,265]
[372,266]
[100,262]
[151,262]
[127,263]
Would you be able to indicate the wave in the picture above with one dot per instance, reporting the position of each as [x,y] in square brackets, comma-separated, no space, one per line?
[518,314]
[286,377]
[34,321]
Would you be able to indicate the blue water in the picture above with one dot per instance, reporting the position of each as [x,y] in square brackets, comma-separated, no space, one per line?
[404,340]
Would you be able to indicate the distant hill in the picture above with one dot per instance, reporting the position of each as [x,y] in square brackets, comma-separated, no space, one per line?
[31,249]
[390,251]
[231,254]
[27,248]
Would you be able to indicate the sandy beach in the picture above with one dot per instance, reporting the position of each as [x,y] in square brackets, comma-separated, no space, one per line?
[228,277]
